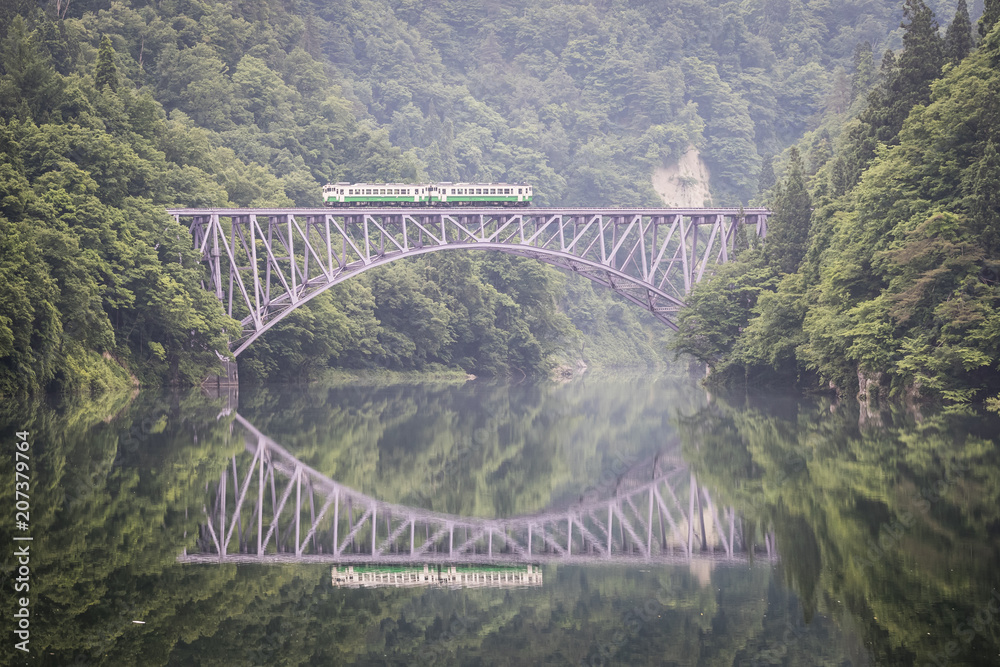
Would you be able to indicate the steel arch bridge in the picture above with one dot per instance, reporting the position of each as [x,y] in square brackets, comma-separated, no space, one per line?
[264,263]
[269,507]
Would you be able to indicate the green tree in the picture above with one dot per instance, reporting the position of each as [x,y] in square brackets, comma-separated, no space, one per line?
[991,14]
[985,208]
[766,180]
[720,308]
[788,228]
[919,63]
[864,72]
[29,87]
[106,72]
[958,41]
[29,321]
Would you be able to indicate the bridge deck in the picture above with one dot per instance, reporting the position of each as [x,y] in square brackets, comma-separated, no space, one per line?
[473,210]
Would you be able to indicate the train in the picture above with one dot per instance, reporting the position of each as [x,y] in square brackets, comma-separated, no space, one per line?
[426,194]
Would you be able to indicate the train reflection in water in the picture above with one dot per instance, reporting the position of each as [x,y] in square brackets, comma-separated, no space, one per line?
[460,576]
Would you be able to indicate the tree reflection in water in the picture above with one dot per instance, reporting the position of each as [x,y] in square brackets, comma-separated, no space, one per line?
[120,485]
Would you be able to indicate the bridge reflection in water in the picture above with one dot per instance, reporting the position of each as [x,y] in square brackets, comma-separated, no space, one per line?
[269,507]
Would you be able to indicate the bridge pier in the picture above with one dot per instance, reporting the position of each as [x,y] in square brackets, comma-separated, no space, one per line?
[224,380]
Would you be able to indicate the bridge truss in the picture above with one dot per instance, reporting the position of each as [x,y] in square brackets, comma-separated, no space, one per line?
[265,263]
[270,507]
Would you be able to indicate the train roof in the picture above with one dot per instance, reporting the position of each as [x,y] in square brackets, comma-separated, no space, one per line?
[379,185]
[423,185]
[481,185]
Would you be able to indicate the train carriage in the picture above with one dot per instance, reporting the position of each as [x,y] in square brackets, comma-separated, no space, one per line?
[481,194]
[376,194]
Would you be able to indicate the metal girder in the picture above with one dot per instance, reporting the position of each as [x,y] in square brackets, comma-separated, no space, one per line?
[264,263]
[627,522]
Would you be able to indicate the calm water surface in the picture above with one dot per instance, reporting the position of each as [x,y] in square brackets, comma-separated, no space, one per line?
[610,520]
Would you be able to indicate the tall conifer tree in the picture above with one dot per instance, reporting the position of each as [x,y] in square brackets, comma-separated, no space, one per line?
[106,73]
[991,14]
[29,85]
[958,41]
[864,70]
[788,229]
[985,206]
[766,179]
[904,82]
[918,65]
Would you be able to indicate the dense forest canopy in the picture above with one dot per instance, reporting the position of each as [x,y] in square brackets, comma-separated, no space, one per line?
[111,111]
[890,286]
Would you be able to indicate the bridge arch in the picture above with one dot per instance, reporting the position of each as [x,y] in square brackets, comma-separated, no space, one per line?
[265,263]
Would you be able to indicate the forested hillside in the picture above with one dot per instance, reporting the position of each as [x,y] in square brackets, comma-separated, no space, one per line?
[112,111]
[879,276]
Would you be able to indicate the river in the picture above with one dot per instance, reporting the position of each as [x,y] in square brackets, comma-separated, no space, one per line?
[612,519]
